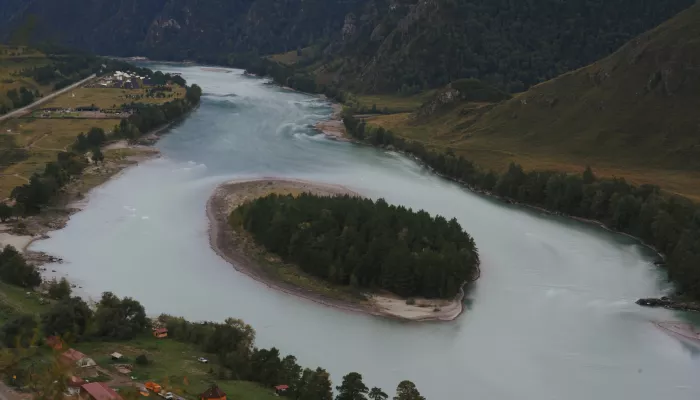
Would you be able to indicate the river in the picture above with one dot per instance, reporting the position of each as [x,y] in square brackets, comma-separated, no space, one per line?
[552,316]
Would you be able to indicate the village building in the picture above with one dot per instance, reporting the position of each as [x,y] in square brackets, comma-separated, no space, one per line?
[98,391]
[75,358]
[279,389]
[116,356]
[213,393]
[160,333]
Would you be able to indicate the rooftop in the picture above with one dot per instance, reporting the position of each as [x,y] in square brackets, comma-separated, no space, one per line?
[100,391]
[73,355]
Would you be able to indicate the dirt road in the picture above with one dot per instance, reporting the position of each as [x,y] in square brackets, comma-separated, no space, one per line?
[21,111]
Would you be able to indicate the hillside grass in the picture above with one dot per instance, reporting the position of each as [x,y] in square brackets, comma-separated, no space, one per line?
[43,139]
[391,103]
[292,57]
[632,115]
[14,300]
[173,365]
[496,153]
[13,60]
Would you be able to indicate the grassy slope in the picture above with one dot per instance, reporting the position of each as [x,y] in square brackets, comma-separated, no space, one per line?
[632,114]
[9,64]
[173,365]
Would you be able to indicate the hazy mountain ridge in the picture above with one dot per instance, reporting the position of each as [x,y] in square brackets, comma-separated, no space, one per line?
[368,45]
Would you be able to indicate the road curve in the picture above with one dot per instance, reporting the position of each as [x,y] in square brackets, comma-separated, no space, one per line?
[21,111]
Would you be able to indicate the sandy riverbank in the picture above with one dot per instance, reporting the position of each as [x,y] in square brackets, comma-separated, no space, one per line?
[333,127]
[238,249]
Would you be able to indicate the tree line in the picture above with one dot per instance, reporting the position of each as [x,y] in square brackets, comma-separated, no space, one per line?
[669,223]
[233,343]
[354,241]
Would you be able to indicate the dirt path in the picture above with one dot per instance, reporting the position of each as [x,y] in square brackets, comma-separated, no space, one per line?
[24,110]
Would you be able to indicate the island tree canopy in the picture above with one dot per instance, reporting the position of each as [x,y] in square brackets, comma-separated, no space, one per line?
[354,241]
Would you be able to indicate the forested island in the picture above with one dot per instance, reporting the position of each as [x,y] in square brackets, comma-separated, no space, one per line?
[367,244]
[326,244]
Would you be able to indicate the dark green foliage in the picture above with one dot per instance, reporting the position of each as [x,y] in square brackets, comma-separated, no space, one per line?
[58,290]
[407,391]
[16,271]
[20,99]
[69,319]
[315,385]
[97,155]
[19,332]
[475,90]
[142,359]
[349,240]
[377,394]
[352,388]
[5,212]
[120,319]
[41,188]
[668,223]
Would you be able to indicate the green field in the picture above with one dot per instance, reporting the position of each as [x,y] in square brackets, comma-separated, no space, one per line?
[173,365]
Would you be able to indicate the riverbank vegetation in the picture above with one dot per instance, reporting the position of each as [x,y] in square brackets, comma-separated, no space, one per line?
[669,223]
[71,160]
[120,324]
[362,243]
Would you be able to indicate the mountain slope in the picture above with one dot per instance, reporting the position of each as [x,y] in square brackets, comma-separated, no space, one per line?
[367,45]
[633,113]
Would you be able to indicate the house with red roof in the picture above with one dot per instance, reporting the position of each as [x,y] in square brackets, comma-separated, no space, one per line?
[160,333]
[98,391]
[73,357]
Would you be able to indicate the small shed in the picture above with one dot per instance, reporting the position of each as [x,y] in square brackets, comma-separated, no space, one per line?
[160,333]
[279,389]
[76,358]
[116,356]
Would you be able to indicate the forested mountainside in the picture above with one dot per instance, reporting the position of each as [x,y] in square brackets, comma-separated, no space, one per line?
[637,106]
[631,114]
[368,45]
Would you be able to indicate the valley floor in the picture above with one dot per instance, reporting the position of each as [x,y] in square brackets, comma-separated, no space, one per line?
[496,153]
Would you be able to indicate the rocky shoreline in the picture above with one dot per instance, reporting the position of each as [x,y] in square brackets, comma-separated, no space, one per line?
[237,248]
[670,303]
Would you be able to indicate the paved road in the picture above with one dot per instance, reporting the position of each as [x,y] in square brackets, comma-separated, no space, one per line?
[21,111]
